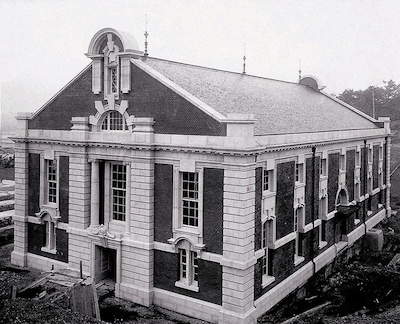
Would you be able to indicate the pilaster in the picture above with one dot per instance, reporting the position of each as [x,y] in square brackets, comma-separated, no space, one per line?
[238,250]
[19,255]
[80,182]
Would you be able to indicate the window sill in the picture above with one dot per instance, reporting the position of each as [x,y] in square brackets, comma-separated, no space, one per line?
[299,184]
[267,280]
[298,259]
[268,193]
[189,230]
[184,285]
[322,244]
[47,250]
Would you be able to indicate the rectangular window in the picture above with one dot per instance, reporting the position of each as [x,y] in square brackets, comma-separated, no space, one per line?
[114,80]
[342,162]
[51,181]
[265,247]
[299,172]
[190,199]
[183,264]
[268,180]
[266,270]
[188,270]
[264,265]
[358,156]
[297,215]
[118,188]
[49,243]
[195,266]
[322,167]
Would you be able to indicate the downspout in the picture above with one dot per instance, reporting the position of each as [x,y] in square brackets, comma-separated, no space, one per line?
[365,172]
[388,185]
[313,207]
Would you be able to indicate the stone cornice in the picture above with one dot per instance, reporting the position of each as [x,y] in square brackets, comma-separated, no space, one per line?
[211,149]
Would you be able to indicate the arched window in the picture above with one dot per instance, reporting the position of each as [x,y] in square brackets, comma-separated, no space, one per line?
[114,121]
[188,266]
[342,198]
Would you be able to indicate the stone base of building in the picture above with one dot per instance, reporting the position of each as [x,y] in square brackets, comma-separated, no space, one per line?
[18,259]
[186,305]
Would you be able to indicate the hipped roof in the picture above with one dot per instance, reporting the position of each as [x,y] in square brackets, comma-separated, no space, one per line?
[280,107]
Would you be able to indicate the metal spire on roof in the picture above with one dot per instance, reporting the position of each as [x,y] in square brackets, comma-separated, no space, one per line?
[244,59]
[299,70]
[145,41]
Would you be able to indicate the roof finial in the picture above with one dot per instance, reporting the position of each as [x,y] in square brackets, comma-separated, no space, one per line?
[244,59]
[145,41]
[299,70]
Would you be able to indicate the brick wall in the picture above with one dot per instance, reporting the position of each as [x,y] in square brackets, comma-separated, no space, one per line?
[284,198]
[36,234]
[33,184]
[333,178]
[350,165]
[64,188]
[363,171]
[148,97]
[375,167]
[309,217]
[213,209]
[76,100]
[257,214]
[163,198]
[166,273]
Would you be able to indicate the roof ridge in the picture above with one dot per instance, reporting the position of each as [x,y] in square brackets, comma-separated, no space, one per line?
[219,70]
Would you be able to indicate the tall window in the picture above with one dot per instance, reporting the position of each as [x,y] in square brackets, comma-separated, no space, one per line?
[190,199]
[322,167]
[114,80]
[118,188]
[298,172]
[265,247]
[49,235]
[268,180]
[114,121]
[51,181]
[188,267]
[50,238]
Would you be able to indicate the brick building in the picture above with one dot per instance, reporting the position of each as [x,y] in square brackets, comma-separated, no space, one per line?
[211,193]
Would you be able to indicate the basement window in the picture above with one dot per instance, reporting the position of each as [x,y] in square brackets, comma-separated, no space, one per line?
[188,267]
[49,235]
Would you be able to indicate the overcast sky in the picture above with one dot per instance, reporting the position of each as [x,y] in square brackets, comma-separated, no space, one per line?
[345,44]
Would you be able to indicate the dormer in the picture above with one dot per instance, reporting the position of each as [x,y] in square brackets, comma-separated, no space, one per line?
[111,52]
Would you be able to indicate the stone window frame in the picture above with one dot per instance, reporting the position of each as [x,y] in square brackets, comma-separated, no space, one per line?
[51,182]
[266,236]
[45,156]
[299,215]
[49,218]
[107,120]
[114,214]
[188,278]
[49,244]
[112,62]
[195,233]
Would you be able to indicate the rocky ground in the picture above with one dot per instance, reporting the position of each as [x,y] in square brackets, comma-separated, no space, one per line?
[366,290]
[33,310]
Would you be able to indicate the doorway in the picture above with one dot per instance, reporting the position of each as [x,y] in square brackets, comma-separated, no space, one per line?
[105,264]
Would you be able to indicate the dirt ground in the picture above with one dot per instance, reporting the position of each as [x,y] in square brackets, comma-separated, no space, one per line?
[30,310]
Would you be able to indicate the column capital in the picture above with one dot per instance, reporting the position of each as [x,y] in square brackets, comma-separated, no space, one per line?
[91,160]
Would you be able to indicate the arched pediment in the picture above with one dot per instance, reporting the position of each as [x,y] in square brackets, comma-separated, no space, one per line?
[108,37]
[342,197]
